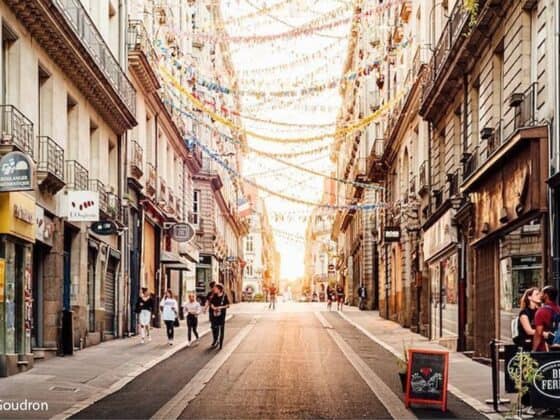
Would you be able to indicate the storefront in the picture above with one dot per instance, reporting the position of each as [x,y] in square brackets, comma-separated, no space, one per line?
[509,235]
[442,258]
[17,235]
[46,307]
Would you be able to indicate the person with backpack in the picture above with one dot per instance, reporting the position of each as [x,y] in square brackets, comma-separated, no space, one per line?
[547,322]
[218,305]
[523,326]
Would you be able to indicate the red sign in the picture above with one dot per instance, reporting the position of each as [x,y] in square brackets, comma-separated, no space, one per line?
[426,378]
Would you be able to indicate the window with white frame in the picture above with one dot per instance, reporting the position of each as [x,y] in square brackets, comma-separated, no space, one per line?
[250,270]
[249,246]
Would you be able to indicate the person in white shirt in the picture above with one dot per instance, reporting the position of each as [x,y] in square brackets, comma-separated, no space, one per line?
[170,310]
[192,308]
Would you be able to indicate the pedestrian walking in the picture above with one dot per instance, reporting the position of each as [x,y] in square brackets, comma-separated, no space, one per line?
[362,294]
[192,308]
[209,296]
[272,291]
[144,309]
[170,310]
[339,297]
[330,297]
[547,319]
[218,305]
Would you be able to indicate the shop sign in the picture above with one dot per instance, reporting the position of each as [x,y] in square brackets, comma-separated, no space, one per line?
[2,278]
[182,232]
[440,235]
[426,378]
[17,215]
[16,172]
[392,234]
[44,226]
[82,206]
[545,390]
[105,227]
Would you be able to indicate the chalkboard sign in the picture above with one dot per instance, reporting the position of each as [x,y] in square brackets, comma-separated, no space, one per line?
[426,380]
[545,389]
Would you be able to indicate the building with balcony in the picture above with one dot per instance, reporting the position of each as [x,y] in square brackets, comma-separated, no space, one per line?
[488,97]
[259,250]
[320,251]
[160,168]
[67,104]
[357,156]
[397,165]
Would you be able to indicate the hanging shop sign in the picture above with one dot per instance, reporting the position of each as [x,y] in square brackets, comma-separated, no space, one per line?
[440,236]
[392,234]
[426,378]
[44,226]
[105,227]
[17,215]
[182,232]
[16,172]
[82,206]
[545,389]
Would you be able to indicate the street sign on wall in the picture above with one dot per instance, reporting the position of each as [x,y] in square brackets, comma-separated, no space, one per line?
[392,234]
[182,232]
[105,227]
[16,172]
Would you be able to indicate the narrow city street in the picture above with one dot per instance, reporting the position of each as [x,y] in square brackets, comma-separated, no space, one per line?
[295,362]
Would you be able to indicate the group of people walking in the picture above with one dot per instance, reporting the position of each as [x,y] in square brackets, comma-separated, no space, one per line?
[217,302]
[537,328]
[335,294]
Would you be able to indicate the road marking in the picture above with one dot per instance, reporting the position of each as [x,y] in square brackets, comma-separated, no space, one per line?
[76,408]
[473,402]
[176,405]
[393,404]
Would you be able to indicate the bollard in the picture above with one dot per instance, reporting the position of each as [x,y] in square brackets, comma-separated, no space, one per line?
[495,359]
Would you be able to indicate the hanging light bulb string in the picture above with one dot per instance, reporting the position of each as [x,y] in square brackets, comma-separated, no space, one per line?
[234,174]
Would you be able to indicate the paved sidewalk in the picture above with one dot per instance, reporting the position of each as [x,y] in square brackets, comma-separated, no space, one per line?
[92,373]
[469,380]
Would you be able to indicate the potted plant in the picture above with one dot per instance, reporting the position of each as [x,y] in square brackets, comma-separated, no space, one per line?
[523,369]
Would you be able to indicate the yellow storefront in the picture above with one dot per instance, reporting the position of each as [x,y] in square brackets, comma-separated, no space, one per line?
[17,235]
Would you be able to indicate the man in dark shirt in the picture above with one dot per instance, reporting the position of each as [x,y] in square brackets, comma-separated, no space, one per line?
[218,306]
[544,318]
[207,305]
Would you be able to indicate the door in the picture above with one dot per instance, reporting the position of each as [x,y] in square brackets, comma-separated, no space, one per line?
[37,296]
[91,283]
[109,290]
[485,297]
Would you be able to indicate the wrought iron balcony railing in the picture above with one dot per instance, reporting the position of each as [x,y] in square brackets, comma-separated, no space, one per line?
[151,180]
[470,163]
[138,39]
[114,206]
[51,157]
[17,130]
[526,110]
[96,185]
[136,160]
[76,176]
[50,167]
[85,29]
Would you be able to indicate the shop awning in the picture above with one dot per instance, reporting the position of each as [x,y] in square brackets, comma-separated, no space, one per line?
[174,261]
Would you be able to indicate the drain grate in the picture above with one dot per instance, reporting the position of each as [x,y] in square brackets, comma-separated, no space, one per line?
[59,388]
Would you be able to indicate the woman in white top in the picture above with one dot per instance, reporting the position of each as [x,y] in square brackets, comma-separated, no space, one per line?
[170,310]
[192,308]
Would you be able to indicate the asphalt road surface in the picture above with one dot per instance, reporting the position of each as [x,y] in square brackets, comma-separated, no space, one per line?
[273,365]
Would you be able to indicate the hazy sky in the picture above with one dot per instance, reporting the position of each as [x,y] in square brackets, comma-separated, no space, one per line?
[271,174]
